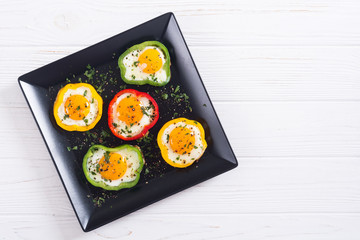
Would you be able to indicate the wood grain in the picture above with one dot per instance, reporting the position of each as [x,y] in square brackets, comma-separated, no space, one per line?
[204,23]
[253,226]
[298,129]
[245,73]
[284,79]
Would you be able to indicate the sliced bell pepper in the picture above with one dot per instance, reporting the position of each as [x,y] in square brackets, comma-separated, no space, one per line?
[150,74]
[131,114]
[181,142]
[107,168]
[78,107]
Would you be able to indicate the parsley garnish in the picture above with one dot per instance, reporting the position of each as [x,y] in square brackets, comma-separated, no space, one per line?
[104,134]
[144,111]
[165,96]
[72,148]
[177,89]
[107,157]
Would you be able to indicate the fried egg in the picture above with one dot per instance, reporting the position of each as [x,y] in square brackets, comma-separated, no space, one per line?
[78,107]
[113,168]
[146,65]
[182,142]
[132,114]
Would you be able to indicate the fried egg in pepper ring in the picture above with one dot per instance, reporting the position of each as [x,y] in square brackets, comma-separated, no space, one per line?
[182,142]
[131,114]
[113,168]
[78,107]
[146,63]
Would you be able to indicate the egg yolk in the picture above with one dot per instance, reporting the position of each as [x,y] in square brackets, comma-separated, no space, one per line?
[181,140]
[129,110]
[77,107]
[150,61]
[113,166]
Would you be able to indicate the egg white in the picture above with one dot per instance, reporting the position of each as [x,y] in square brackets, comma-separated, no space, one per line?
[128,131]
[190,157]
[94,110]
[135,73]
[132,162]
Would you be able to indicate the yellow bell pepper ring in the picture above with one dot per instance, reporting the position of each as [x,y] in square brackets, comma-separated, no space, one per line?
[78,107]
[181,142]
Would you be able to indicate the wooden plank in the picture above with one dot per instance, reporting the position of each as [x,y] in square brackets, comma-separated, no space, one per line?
[179,227]
[257,186]
[210,23]
[230,74]
[255,129]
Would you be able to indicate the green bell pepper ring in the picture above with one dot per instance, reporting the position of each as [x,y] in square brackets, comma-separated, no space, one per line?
[149,80]
[92,173]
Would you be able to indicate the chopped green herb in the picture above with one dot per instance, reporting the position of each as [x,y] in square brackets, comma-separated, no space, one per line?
[144,111]
[104,134]
[122,87]
[72,148]
[107,157]
[90,72]
[177,89]
[165,96]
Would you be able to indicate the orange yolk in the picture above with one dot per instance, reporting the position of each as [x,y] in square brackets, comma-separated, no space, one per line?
[181,140]
[129,110]
[77,107]
[112,168]
[151,59]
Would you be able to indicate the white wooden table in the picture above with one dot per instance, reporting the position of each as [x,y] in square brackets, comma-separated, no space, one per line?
[284,77]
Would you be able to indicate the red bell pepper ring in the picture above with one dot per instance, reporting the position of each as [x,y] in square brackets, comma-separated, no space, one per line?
[126,132]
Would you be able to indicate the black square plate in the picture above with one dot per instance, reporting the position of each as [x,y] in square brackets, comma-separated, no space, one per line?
[95,207]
